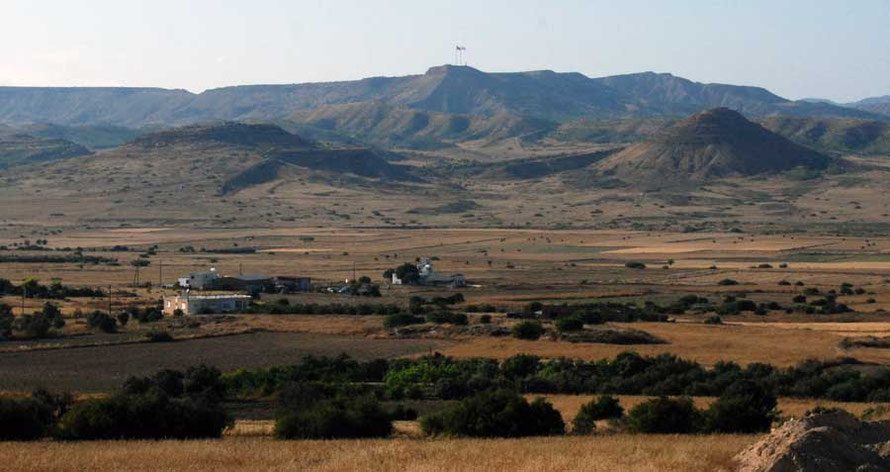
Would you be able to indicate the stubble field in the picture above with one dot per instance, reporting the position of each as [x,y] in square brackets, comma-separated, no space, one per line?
[504,268]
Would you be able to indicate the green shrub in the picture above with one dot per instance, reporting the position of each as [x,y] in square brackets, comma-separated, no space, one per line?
[726,282]
[401,319]
[499,413]
[590,317]
[713,320]
[334,419]
[564,325]
[159,337]
[635,265]
[170,404]
[529,330]
[604,407]
[664,415]
[441,317]
[40,323]
[22,419]
[102,322]
[6,321]
[745,407]
[152,415]
[485,319]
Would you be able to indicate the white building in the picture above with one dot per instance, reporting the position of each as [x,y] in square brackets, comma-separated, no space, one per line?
[428,276]
[200,304]
[199,280]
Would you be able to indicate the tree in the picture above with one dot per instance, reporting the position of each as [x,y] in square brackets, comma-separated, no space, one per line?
[745,407]
[39,324]
[529,330]
[308,413]
[6,320]
[602,408]
[102,322]
[123,318]
[665,416]
[568,324]
[408,273]
[501,413]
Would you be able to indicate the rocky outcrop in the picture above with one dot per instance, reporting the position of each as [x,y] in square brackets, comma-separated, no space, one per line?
[833,441]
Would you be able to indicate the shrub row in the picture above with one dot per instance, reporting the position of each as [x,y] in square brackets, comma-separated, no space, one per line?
[627,374]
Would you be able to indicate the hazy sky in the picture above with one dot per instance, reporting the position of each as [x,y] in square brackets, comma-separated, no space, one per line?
[796,48]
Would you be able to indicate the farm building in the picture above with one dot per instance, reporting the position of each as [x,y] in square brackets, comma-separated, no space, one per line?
[428,276]
[244,283]
[212,280]
[292,284]
[205,304]
[199,280]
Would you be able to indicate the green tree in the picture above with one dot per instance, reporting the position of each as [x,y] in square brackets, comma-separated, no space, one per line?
[499,413]
[408,273]
[529,330]
[664,415]
[745,407]
[6,320]
[568,324]
[602,408]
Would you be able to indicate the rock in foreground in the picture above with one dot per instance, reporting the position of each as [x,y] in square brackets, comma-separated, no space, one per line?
[833,441]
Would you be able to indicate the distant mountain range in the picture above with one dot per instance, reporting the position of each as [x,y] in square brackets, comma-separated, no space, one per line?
[451,90]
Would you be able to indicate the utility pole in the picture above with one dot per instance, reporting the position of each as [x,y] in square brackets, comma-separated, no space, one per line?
[109,300]
[24,294]
[160,273]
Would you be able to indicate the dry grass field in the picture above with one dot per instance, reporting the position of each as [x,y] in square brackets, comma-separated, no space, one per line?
[507,268]
[643,453]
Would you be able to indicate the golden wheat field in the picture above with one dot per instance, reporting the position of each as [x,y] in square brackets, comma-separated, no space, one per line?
[644,453]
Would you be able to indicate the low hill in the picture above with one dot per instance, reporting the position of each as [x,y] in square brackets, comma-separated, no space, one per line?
[334,162]
[18,149]
[879,105]
[839,135]
[264,136]
[94,136]
[397,126]
[711,144]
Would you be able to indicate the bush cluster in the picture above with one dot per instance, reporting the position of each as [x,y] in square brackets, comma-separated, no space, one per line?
[529,330]
[32,288]
[402,319]
[746,407]
[605,407]
[311,411]
[499,413]
[441,317]
[325,309]
[29,419]
[170,404]
[102,322]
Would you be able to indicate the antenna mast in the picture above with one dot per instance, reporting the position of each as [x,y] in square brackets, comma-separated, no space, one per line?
[459,55]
